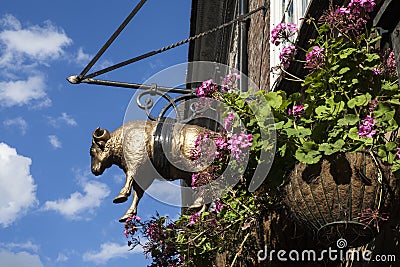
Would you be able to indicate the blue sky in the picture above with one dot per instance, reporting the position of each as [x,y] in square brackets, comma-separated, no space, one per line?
[53,211]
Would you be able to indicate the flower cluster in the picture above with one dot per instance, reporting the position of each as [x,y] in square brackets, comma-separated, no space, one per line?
[360,6]
[315,58]
[388,66]
[283,32]
[296,110]
[228,122]
[204,147]
[207,89]
[238,142]
[217,206]
[131,226]
[287,54]
[350,97]
[201,179]
[365,129]
[194,218]
[350,19]
[229,82]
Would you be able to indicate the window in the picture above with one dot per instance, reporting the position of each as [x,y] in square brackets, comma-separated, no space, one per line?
[289,11]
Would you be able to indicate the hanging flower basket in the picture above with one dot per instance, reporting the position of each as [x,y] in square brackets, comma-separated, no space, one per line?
[341,197]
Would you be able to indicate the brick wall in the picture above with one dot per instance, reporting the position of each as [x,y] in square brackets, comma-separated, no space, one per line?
[258,46]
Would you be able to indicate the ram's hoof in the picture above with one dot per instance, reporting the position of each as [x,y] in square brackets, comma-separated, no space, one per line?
[120,198]
[125,217]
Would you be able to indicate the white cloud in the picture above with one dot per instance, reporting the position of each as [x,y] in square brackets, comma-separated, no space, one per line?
[21,92]
[64,118]
[54,141]
[82,57]
[24,246]
[62,257]
[20,259]
[38,43]
[79,204]
[110,251]
[17,187]
[23,49]
[18,122]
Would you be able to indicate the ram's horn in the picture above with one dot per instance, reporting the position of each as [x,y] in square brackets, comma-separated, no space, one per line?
[101,135]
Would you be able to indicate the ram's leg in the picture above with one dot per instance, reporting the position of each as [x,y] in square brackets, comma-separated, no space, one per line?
[136,196]
[126,190]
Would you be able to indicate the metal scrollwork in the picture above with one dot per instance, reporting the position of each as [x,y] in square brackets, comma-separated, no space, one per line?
[174,103]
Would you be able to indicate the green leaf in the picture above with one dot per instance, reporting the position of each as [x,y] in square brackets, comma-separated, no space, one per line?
[279,125]
[372,57]
[381,109]
[349,119]
[300,132]
[361,100]
[274,99]
[382,153]
[328,149]
[386,85]
[390,146]
[310,157]
[345,53]
[282,150]
[391,157]
[396,166]
[321,111]
[344,70]
[394,101]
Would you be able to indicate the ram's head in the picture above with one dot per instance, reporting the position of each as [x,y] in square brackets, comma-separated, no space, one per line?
[100,158]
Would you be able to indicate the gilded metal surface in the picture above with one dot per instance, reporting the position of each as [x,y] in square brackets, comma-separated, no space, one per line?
[129,146]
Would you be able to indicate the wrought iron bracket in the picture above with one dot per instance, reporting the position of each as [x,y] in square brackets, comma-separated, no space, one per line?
[150,90]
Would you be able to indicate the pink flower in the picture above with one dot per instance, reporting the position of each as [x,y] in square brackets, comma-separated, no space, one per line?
[238,142]
[126,233]
[228,122]
[296,111]
[229,82]
[359,6]
[201,178]
[137,218]
[365,128]
[315,58]
[287,54]
[283,31]
[217,207]
[391,64]
[207,89]
[221,144]
[203,147]
[344,10]
[377,71]
[194,218]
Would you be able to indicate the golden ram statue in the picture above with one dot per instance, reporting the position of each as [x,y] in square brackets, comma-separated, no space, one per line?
[140,146]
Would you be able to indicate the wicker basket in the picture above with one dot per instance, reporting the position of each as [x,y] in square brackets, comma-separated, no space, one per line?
[331,196]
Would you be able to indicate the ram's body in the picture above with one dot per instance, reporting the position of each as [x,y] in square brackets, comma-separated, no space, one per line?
[130,146]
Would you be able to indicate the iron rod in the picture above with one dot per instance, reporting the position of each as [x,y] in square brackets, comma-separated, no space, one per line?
[155,52]
[137,86]
[111,39]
